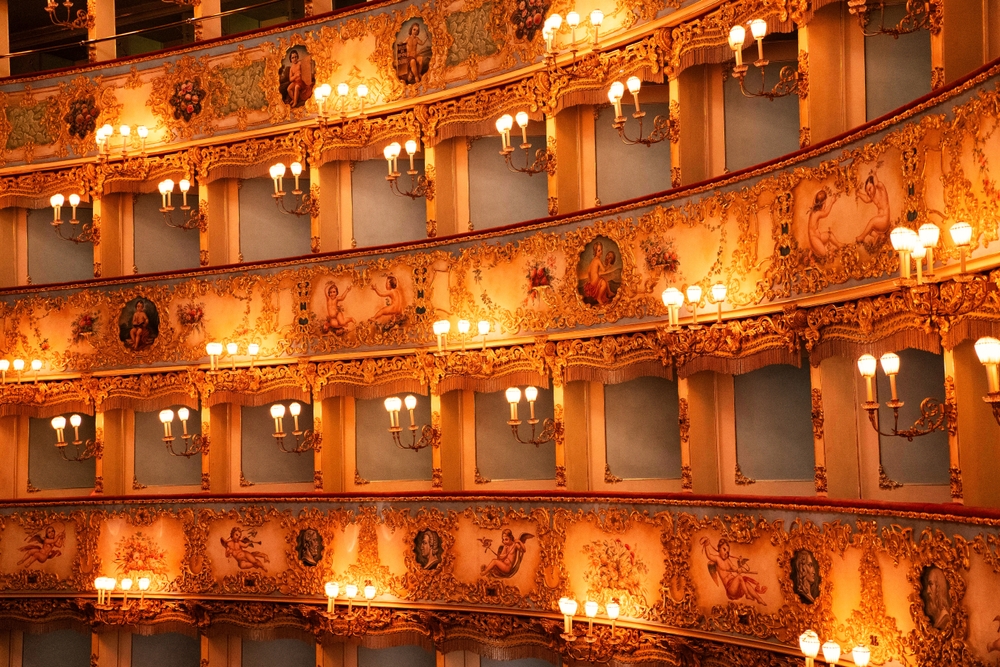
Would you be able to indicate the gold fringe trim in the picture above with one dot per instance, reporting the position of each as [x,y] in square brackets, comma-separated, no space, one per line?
[970,329]
[257,400]
[45,411]
[369,391]
[741,365]
[588,373]
[150,404]
[917,339]
[244,172]
[488,385]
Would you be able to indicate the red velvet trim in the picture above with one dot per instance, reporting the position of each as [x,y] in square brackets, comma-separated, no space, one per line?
[940,511]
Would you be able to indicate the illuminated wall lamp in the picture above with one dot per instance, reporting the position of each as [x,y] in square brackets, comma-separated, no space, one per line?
[350,592]
[305,206]
[693,294]
[988,351]
[305,440]
[321,94]
[549,427]
[19,368]
[332,590]
[719,292]
[36,367]
[568,607]
[673,299]
[193,444]
[370,592]
[929,234]
[904,240]
[197,220]
[934,415]
[90,449]
[393,405]
[961,236]
[809,645]
[544,159]
[214,351]
[419,186]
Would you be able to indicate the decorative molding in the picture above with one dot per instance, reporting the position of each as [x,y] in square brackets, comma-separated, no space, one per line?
[479,479]
[884,481]
[359,480]
[244,482]
[610,478]
[741,479]
[820,480]
[136,486]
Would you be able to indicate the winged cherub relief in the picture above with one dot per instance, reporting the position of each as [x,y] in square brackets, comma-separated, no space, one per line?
[507,557]
[731,572]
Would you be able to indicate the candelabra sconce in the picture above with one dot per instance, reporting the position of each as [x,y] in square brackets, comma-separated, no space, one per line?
[215,349]
[193,443]
[442,329]
[105,587]
[306,205]
[545,160]
[934,415]
[961,236]
[988,351]
[673,299]
[6,365]
[693,294]
[370,592]
[929,234]
[79,233]
[104,134]
[568,607]
[420,186]
[324,92]
[918,17]
[83,20]
[332,590]
[662,127]
[321,94]
[350,592]
[554,21]
[719,292]
[550,428]
[84,450]
[305,440]
[193,220]
[789,78]
[428,434]
[810,647]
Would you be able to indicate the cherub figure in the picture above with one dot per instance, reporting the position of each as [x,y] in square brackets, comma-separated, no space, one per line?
[508,557]
[336,319]
[41,547]
[822,242]
[874,192]
[414,54]
[395,302]
[239,549]
[595,285]
[139,333]
[732,571]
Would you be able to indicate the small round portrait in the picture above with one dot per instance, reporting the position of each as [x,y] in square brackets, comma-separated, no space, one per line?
[599,272]
[295,78]
[935,591]
[413,51]
[309,547]
[427,549]
[805,576]
[138,324]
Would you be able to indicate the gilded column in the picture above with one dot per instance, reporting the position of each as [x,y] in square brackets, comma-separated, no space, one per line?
[819,441]
[684,423]
[951,418]
[101,26]
[437,474]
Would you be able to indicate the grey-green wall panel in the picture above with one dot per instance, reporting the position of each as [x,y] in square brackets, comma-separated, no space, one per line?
[758,129]
[266,232]
[498,454]
[378,457]
[381,217]
[166,650]
[46,467]
[625,172]
[279,653]
[897,70]
[641,429]
[55,260]
[159,247]
[263,462]
[498,196]
[396,656]
[154,465]
[59,648]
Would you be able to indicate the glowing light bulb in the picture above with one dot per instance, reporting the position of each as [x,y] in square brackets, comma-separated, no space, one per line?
[411,402]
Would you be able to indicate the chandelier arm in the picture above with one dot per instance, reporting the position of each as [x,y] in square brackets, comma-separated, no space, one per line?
[934,416]
[91,449]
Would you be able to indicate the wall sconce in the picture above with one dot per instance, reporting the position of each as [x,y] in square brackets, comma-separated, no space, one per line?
[91,448]
[789,78]
[929,233]
[554,21]
[719,292]
[105,587]
[362,91]
[442,328]
[693,294]
[370,592]
[196,220]
[568,608]
[961,236]
[332,590]
[321,94]
[19,368]
[350,592]
[934,415]
[661,126]
[419,187]
[83,20]
[104,134]
[904,240]
[193,444]
[214,351]
[988,351]
[428,435]
[549,427]
[809,645]
[673,300]
[545,160]
[84,233]
[916,18]
[306,205]
[612,610]
[36,367]
[305,441]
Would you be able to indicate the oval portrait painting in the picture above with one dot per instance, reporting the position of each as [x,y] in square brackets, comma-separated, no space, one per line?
[599,272]
[138,324]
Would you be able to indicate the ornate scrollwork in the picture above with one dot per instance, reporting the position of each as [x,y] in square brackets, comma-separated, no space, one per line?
[920,15]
